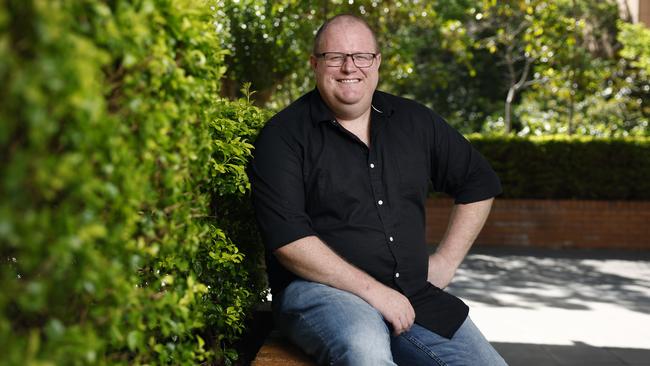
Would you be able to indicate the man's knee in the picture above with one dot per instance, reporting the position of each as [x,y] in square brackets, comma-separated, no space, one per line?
[334,326]
[363,338]
[367,347]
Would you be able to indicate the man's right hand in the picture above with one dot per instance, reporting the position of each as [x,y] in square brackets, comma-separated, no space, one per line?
[312,260]
[395,308]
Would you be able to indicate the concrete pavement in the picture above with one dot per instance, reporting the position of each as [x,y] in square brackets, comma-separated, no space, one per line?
[560,307]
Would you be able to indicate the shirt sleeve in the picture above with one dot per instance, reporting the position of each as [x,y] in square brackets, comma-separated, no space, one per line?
[457,168]
[277,189]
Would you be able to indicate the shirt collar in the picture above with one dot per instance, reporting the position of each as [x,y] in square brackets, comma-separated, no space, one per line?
[320,112]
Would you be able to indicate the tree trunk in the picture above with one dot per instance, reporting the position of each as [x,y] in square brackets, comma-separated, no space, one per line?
[508,111]
[261,97]
[571,110]
[229,88]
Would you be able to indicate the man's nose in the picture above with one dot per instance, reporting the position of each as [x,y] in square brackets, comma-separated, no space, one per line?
[348,64]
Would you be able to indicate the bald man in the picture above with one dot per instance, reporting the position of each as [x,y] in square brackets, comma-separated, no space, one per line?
[340,179]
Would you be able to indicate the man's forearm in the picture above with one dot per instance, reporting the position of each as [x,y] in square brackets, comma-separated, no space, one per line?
[465,223]
[313,260]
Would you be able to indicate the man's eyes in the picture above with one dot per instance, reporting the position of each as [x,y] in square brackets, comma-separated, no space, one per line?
[360,57]
[336,58]
[363,57]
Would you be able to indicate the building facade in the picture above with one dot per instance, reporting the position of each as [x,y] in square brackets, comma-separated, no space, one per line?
[637,11]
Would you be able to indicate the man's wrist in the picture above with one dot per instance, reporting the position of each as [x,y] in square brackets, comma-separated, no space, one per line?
[442,257]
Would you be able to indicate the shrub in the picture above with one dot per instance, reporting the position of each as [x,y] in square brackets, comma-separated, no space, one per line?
[116,157]
[636,44]
[562,167]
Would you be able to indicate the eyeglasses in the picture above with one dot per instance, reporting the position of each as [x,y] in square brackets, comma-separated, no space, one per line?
[337,59]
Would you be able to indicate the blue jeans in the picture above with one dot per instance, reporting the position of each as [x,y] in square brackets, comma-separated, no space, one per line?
[338,328]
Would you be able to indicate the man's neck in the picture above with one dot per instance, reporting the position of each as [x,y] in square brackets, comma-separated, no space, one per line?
[359,126]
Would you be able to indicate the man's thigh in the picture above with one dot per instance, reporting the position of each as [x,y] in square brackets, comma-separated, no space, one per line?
[333,326]
[419,346]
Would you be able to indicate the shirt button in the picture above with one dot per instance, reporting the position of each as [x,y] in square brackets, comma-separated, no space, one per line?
[380,202]
[391,238]
[372,165]
[396,274]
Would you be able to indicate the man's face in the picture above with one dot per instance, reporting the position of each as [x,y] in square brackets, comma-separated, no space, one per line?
[346,89]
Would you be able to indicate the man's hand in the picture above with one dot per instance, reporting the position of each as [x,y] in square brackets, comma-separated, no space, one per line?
[465,223]
[312,260]
[394,307]
[441,271]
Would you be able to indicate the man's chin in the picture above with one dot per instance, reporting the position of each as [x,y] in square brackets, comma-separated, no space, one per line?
[349,98]
[349,103]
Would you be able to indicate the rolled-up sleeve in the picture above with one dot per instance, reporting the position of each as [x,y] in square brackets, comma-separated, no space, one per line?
[457,168]
[278,189]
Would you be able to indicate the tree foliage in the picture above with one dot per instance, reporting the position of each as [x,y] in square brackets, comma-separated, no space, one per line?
[587,88]
[636,45]
[524,66]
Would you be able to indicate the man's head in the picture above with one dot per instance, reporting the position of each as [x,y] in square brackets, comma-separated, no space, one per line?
[346,63]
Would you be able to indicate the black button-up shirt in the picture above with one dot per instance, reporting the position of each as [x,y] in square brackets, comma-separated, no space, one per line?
[311,176]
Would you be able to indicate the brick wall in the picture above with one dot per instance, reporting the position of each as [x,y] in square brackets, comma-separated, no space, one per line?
[555,223]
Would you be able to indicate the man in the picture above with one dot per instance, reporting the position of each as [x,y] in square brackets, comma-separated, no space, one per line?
[339,182]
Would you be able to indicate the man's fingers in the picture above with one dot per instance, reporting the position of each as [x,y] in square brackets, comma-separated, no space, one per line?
[402,324]
[398,312]
[397,325]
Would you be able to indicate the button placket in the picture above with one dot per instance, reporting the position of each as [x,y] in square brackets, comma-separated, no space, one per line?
[374,170]
[376,183]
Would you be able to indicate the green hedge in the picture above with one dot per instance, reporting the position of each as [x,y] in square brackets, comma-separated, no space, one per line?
[122,186]
[563,167]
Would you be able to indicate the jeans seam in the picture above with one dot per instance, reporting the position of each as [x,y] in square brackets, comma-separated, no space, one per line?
[424,349]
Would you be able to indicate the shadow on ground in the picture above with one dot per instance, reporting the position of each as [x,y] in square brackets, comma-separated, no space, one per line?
[517,354]
[566,279]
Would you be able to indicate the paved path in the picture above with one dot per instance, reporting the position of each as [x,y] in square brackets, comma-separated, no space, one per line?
[560,307]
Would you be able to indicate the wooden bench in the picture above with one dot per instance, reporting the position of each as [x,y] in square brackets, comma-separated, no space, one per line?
[277,351]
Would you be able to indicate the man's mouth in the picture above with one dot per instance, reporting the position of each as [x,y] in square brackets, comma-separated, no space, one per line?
[349,81]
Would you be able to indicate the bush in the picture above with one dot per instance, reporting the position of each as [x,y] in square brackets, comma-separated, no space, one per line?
[116,158]
[561,167]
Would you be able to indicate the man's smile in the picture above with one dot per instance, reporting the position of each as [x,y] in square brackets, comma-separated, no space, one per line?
[349,81]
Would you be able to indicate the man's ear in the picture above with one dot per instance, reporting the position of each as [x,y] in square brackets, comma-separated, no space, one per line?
[313,62]
[378,57]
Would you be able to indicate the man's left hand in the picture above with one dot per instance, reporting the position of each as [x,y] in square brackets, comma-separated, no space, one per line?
[441,271]
[465,223]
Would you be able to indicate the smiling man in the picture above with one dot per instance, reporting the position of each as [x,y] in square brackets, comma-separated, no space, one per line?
[340,179]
